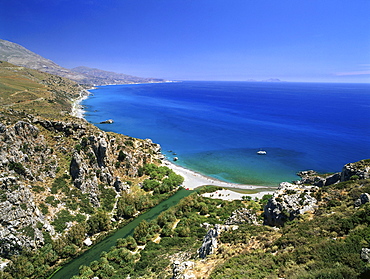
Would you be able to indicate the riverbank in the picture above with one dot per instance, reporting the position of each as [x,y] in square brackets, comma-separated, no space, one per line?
[194,180]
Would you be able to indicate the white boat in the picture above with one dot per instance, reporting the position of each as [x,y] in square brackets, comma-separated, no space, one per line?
[261,152]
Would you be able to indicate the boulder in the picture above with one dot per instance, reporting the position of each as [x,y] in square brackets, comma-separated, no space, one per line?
[26,130]
[121,186]
[365,254]
[364,198]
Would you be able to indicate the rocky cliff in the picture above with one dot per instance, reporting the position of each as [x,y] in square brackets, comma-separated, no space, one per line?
[43,162]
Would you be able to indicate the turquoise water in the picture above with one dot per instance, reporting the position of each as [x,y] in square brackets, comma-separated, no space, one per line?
[216,128]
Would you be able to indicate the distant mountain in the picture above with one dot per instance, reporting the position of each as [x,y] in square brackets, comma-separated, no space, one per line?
[272,80]
[100,77]
[20,56]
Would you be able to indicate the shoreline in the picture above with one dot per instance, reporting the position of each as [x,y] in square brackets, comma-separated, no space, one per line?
[192,179]
[77,109]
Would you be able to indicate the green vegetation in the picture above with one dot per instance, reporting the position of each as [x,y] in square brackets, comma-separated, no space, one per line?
[162,179]
[177,229]
[327,245]
[35,92]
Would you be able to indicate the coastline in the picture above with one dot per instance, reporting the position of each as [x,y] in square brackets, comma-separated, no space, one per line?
[192,179]
[77,109]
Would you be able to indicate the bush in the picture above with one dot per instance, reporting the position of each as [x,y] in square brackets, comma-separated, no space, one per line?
[17,167]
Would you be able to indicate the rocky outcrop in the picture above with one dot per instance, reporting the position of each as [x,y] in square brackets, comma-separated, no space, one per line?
[311,177]
[41,158]
[364,198]
[289,201]
[242,215]
[78,130]
[358,170]
[209,244]
[365,254]
[23,149]
[121,186]
[20,219]
[183,270]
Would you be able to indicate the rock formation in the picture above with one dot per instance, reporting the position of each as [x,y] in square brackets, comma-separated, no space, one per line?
[32,158]
[20,219]
[313,178]
[209,244]
[364,198]
[288,201]
[358,170]
[183,270]
[242,215]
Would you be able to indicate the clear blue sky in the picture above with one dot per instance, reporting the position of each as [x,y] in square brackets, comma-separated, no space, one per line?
[293,40]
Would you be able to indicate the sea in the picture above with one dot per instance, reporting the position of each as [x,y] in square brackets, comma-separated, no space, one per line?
[217,128]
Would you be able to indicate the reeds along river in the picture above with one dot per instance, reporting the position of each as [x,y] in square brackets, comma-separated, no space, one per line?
[72,268]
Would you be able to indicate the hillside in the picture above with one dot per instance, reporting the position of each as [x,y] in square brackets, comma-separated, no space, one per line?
[20,56]
[99,77]
[61,179]
[324,233]
[36,92]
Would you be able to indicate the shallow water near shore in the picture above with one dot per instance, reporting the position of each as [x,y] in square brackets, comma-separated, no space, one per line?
[216,128]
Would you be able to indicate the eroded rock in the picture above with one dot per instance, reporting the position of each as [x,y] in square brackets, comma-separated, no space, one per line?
[289,201]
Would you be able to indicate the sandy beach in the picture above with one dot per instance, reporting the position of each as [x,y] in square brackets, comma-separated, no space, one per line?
[193,180]
[77,108]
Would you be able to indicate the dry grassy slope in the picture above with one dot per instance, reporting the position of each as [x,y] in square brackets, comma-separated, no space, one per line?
[36,92]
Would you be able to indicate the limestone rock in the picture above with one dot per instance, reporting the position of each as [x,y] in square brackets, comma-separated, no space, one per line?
[88,242]
[289,201]
[242,215]
[364,198]
[365,254]
[121,186]
[209,244]
[183,270]
[19,219]
[313,178]
[358,170]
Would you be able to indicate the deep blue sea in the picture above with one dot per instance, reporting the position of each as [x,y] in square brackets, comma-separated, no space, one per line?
[216,128]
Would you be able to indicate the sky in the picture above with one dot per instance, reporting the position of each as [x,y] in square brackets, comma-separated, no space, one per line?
[292,40]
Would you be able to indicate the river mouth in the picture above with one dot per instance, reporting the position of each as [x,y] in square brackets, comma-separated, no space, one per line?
[72,268]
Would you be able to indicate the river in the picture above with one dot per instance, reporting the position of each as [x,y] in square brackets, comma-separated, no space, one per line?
[72,268]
